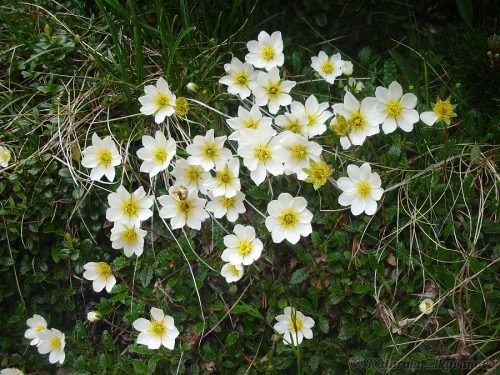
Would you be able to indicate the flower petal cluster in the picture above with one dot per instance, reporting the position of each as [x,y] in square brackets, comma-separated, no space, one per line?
[208,150]
[294,326]
[36,324]
[242,247]
[240,78]
[252,119]
[328,67]
[270,90]
[101,275]
[129,208]
[156,153]
[316,114]
[158,101]
[52,341]
[189,211]
[159,331]
[222,205]
[267,51]
[442,110]
[4,156]
[102,157]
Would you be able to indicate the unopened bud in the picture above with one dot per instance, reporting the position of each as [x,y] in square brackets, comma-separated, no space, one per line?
[347,68]
[94,316]
[48,30]
[426,306]
[192,87]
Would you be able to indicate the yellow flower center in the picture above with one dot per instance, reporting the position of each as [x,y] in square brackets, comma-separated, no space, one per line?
[210,152]
[289,218]
[103,270]
[234,271]
[55,343]
[364,189]
[298,152]
[357,121]
[129,235]
[427,307]
[181,106]
[250,124]
[244,247]
[393,108]
[158,328]
[327,67]
[241,78]
[104,157]
[311,119]
[5,155]
[296,325]
[40,327]
[130,207]
[262,153]
[185,207]
[340,126]
[274,90]
[318,173]
[268,53]
[443,109]
[228,202]
[294,126]
[225,177]
[162,100]
[193,174]
[160,154]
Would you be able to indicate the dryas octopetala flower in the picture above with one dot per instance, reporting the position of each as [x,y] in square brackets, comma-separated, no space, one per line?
[156,153]
[362,118]
[36,324]
[295,153]
[240,78]
[258,149]
[242,247]
[207,150]
[267,51]
[190,210]
[190,176]
[398,109]
[426,306]
[317,173]
[252,119]
[293,122]
[4,156]
[288,218]
[361,190]
[128,237]
[52,341]
[129,208]
[232,272]
[102,156]
[158,331]
[442,110]
[270,90]
[229,206]
[226,181]
[294,326]
[328,67]
[158,101]
[101,275]
[316,114]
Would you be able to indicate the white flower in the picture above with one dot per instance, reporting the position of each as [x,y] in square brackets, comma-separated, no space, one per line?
[52,341]
[11,371]
[353,85]
[426,306]
[242,247]
[101,275]
[270,90]
[316,114]
[296,153]
[442,110]
[258,149]
[363,119]
[190,211]
[252,119]
[240,78]
[294,326]
[328,67]
[130,238]
[190,176]
[94,316]
[293,122]
[361,190]
[267,51]
[347,68]
[207,150]
[156,153]
[398,109]
[36,324]
[158,101]
[288,218]
[102,157]
[129,208]
[226,181]
[158,331]
[4,157]
[229,206]
[232,272]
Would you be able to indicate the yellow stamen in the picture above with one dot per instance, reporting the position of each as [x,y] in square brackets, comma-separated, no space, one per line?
[210,152]
[268,53]
[228,202]
[289,218]
[357,121]
[298,152]
[262,153]
[104,157]
[162,100]
[327,67]
[158,328]
[393,108]
[244,247]
[103,270]
[130,207]
[364,189]
[55,343]
[129,235]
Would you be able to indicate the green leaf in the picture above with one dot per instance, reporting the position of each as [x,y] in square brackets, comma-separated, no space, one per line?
[299,276]
[466,11]
[232,338]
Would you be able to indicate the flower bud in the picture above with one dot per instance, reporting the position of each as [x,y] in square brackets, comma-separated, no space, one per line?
[192,87]
[347,68]
[94,316]
[426,306]
[48,30]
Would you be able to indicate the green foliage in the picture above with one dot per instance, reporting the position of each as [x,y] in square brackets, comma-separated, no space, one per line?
[73,68]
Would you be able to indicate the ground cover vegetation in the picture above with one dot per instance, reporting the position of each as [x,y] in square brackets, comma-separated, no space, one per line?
[249,187]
